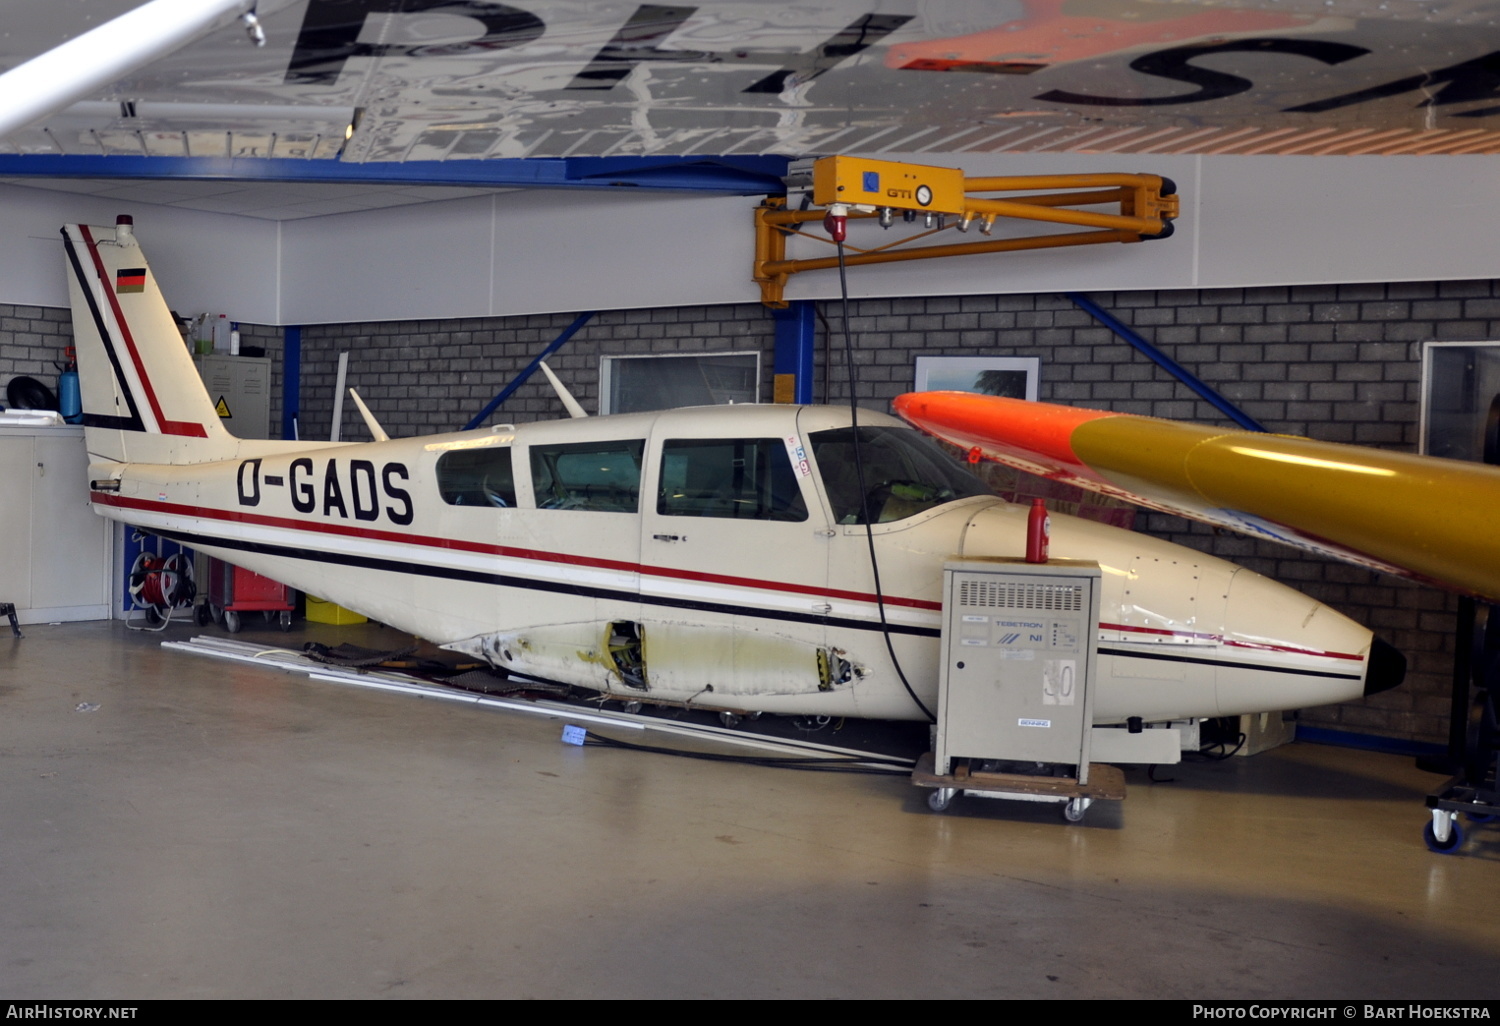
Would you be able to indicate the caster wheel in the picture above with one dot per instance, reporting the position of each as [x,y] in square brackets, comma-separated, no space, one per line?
[1073,811]
[217,612]
[203,614]
[284,621]
[729,719]
[231,621]
[153,616]
[1448,847]
[939,799]
[752,717]
[1481,817]
[631,707]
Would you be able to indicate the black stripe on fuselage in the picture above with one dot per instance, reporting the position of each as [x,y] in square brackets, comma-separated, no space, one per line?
[530,583]
[586,591]
[1171,658]
[132,422]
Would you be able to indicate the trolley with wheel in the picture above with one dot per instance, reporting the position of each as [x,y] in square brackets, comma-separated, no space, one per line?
[234,591]
[1105,783]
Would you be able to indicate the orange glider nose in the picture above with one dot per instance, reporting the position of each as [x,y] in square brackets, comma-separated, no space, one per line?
[996,424]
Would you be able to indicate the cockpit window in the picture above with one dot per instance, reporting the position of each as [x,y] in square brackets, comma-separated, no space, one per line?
[738,478]
[601,476]
[477,477]
[905,473]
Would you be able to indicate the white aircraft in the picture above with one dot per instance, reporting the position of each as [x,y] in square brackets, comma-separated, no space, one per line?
[710,556]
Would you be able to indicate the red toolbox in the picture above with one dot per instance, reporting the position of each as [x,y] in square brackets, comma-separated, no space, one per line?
[233,590]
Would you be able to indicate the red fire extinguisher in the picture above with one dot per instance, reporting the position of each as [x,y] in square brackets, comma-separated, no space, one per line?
[1038,532]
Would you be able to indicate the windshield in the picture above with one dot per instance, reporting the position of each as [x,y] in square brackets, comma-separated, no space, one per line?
[905,473]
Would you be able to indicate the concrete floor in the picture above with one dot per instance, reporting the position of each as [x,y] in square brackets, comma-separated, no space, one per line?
[217,830]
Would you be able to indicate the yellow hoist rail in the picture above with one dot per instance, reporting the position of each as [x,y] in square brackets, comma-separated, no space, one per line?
[862,189]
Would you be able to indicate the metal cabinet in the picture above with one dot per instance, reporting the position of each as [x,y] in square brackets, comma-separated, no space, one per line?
[55,558]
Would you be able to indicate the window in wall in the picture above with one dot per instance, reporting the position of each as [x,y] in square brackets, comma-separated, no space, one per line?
[477,477]
[1460,385]
[635,384]
[601,476]
[738,478]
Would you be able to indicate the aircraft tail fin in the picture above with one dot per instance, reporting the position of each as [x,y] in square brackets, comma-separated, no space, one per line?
[143,400]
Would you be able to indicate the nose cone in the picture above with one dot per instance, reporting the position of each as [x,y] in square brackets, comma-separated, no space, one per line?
[1289,651]
[1387,668]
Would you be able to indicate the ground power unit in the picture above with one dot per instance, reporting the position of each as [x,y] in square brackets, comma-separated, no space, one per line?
[1015,702]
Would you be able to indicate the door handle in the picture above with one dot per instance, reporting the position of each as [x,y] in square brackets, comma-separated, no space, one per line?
[670,537]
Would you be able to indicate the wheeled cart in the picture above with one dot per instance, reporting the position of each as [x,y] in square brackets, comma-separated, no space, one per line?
[1444,834]
[1015,702]
[1105,783]
[233,590]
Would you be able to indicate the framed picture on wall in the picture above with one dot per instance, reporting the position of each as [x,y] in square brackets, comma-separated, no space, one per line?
[1014,377]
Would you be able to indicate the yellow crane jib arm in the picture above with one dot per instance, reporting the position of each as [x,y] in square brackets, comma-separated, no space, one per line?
[943,198]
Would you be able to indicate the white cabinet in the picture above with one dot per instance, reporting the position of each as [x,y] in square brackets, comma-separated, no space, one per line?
[55,550]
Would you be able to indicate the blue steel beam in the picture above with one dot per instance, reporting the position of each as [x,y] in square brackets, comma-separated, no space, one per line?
[520,379]
[1164,361]
[750,176]
[796,340]
[291,381]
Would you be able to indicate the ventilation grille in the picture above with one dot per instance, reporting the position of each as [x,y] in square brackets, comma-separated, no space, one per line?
[997,595]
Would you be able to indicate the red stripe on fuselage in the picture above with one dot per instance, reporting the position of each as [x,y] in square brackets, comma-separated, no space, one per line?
[170,427]
[460,545]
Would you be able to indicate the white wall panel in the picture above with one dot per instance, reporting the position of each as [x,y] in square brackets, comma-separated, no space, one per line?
[203,261]
[400,263]
[564,251]
[1284,220]
[1246,221]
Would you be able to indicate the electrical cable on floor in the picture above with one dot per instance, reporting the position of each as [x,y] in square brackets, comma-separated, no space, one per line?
[864,495]
[1219,756]
[850,764]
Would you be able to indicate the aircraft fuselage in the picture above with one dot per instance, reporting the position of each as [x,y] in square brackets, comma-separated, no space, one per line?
[716,556]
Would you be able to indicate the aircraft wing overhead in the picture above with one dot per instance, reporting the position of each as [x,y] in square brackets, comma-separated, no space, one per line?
[1421,517]
[434,80]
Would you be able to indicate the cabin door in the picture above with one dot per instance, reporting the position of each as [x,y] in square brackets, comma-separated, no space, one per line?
[734,570]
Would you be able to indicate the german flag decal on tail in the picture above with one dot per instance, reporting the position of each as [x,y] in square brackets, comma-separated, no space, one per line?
[130,279]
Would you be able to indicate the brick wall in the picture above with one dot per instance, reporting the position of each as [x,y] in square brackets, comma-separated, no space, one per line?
[32,338]
[1336,363]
